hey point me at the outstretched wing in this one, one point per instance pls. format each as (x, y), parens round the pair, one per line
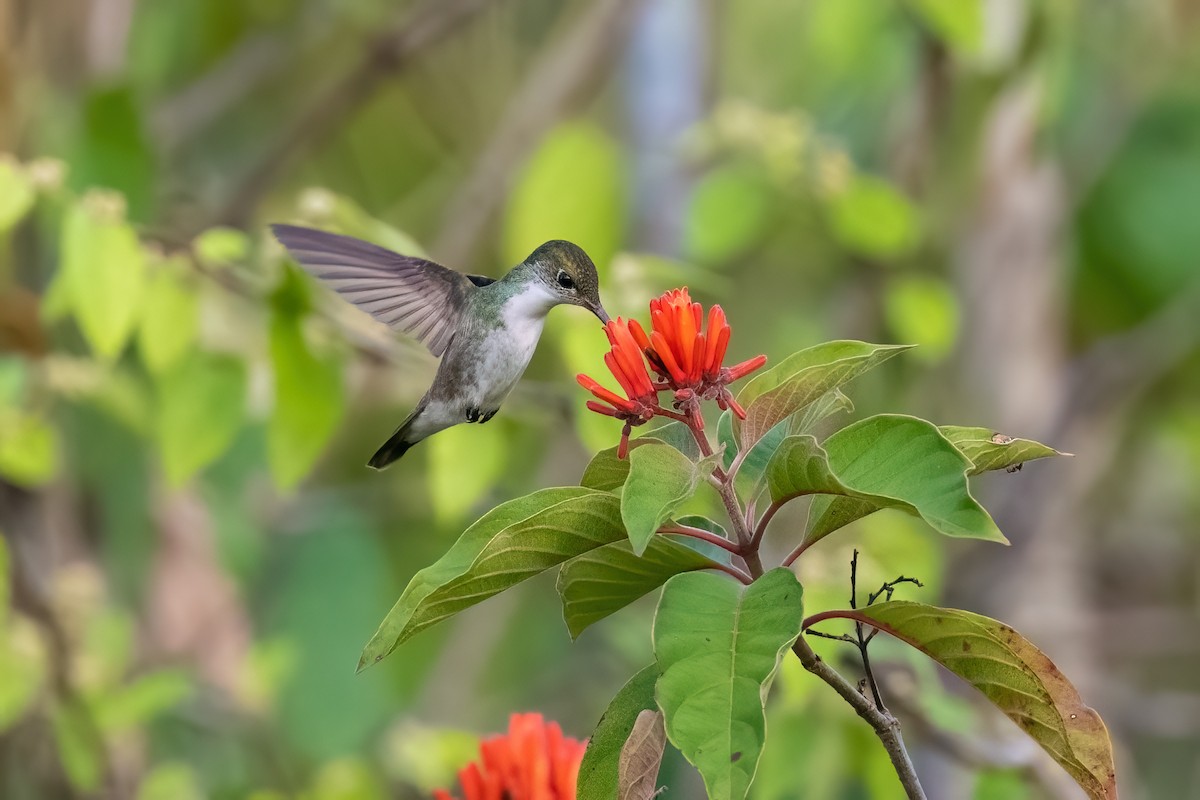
(418, 297)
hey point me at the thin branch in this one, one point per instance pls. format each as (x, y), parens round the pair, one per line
(763, 522)
(700, 533)
(381, 58)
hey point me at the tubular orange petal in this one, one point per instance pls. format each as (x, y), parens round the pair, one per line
(639, 334)
(618, 372)
(697, 371)
(737, 409)
(600, 408)
(664, 352)
(746, 367)
(722, 346)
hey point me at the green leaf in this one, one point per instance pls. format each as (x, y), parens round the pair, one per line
(606, 472)
(802, 379)
(79, 746)
(830, 403)
(513, 542)
(1016, 676)
(16, 193)
(170, 319)
(571, 188)
(886, 461)
(660, 480)
(717, 645)
(308, 400)
(959, 23)
(599, 769)
(28, 448)
(220, 247)
(923, 309)
(872, 217)
(605, 580)
(104, 273)
(127, 707)
(989, 450)
(200, 409)
(728, 212)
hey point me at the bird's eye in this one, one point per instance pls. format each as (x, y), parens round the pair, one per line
(565, 280)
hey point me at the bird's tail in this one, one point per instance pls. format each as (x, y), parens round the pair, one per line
(399, 442)
(391, 450)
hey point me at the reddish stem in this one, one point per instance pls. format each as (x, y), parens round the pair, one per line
(700, 533)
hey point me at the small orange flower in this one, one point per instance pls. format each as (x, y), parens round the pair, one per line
(625, 362)
(534, 761)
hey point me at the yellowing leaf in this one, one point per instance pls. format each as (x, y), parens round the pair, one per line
(104, 273)
(170, 319)
(1016, 676)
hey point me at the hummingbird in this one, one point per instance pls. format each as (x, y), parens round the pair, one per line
(484, 330)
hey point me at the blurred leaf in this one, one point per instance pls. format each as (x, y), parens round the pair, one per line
(717, 644)
(309, 400)
(885, 461)
(572, 188)
(660, 480)
(428, 758)
(340, 214)
(598, 774)
(28, 449)
(871, 217)
(803, 378)
(111, 151)
(727, 214)
(22, 661)
(103, 273)
(1000, 785)
(347, 779)
(608, 578)
(923, 310)
(988, 450)
(1017, 677)
(512, 542)
(16, 193)
(641, 756)
(454, 489)
(220, 247)
(171, 317)
(128, 707)
(200, 409)
(170, 781)
(959, 23)
(79, 747)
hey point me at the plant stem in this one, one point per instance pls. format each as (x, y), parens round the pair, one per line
(763, 522)
(734, 571)
(699, 533)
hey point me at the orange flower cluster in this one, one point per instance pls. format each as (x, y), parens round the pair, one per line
(534, 761)
(686, 358)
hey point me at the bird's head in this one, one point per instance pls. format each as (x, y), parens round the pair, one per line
(569, 274)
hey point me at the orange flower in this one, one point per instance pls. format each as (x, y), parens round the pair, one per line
(534, 761)
(625, 362)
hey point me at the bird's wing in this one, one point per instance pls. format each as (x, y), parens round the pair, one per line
(418, 297)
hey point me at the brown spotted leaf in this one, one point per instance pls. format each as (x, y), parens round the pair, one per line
(1016, 676)
(641, 755)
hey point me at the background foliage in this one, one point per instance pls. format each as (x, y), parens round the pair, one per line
(195, 554)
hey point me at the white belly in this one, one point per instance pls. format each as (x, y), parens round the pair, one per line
(505, 356)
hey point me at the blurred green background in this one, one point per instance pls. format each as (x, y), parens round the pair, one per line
(194, 551)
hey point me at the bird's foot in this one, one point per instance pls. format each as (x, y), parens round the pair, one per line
(486, 417)
(473, 414)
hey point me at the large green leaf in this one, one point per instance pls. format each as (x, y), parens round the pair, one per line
(717, 644)
(200, 409)
(989, 450)
(308, 400)
(801, 379)
(103, 273)
(598, 772)
(1013, 674)
(660, 480)
(605, 580)
(886, 461)
(512, 542)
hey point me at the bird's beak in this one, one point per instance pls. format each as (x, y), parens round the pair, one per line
(599, 311)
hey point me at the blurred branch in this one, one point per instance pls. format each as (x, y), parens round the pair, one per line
(381, 58)
(564, 77)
